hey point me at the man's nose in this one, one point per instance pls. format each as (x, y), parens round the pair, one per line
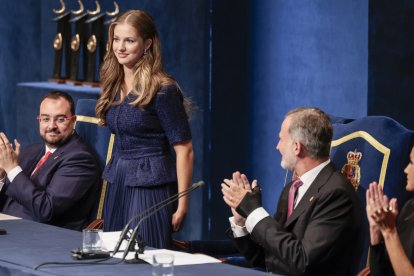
(52, 123)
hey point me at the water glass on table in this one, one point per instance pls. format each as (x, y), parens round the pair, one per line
(163, 264)
(92, 240)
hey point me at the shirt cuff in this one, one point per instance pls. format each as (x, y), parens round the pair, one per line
(254, 218)
(238, 231)
(13, 173)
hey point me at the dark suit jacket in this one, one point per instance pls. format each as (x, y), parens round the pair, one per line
(62, 192)
(319, 236)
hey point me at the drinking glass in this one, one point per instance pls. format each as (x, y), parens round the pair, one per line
(163, 265)
(92, 241)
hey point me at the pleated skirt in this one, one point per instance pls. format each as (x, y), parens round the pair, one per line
(122, 202)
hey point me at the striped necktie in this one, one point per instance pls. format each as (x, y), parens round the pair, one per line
(292, 195)
(42, 161)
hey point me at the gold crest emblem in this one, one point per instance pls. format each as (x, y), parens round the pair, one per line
(351, 170)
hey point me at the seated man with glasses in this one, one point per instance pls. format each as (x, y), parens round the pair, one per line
(55, 182)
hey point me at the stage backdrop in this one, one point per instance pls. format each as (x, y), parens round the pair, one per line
(391, 60)
(19, 54)
(269, 57)
(26, 55)
(244, 63)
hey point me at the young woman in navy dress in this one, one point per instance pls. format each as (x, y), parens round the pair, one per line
(145, 109)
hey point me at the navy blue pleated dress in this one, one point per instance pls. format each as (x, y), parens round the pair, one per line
(142, 170)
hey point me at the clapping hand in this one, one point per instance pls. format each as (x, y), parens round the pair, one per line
(9, 157)
(234, 191)
(381, 212)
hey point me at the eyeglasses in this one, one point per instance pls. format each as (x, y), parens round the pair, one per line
(60, 120)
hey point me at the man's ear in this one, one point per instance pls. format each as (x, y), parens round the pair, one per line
(297, 148)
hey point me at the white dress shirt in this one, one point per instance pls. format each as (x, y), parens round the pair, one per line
(260, 213)
(16, 170)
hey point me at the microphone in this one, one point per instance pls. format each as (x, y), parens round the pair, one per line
(145, 214)
(149, 212)
(197, 184)
(151, 209)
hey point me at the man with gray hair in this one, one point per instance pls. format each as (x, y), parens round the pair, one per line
(315, 228)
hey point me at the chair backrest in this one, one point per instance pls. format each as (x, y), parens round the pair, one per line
(98, 138)
(373, 148)
(87, 126)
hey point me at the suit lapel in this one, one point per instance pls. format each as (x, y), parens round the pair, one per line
(50, 161)
(281, 209)
(30, 164)
(312, 192)
(54, 157)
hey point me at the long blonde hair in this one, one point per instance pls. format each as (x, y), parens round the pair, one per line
(149, 75)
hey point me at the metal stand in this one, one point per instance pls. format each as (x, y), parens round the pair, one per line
(140, 250)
